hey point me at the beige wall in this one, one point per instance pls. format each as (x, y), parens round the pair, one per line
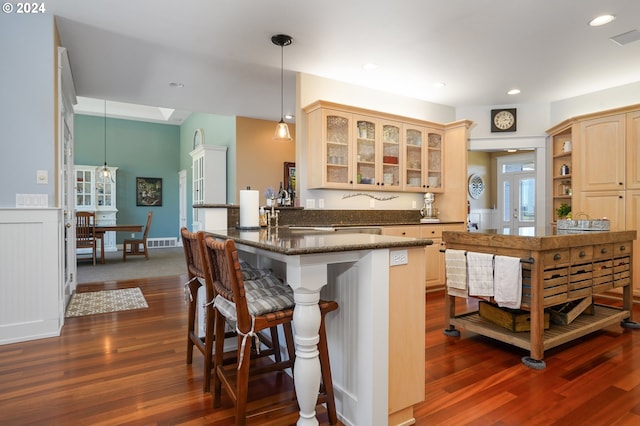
(259, 158)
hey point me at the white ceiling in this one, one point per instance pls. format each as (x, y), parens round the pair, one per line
(129, 51)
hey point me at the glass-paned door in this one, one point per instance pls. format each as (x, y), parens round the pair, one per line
(517, 193)
(365, 152)
(337, 149)
(391, 155)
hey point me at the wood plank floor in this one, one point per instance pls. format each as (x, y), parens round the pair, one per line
(128, 368)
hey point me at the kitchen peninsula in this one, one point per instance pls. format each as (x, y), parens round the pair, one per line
(376, 338)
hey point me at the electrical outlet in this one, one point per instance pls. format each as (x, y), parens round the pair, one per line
(321, 203)
(133, 235)
(372, 203)
(413, 204)
(311, 203)
(398, 257)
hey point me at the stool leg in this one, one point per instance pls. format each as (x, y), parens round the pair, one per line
(242, 384)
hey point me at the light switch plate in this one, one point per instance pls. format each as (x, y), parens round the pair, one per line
(311, 203)
(42, 177)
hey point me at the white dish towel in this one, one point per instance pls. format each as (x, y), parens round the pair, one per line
(508, 282)
(455, 262)
(480, 273)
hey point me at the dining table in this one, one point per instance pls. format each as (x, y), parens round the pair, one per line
(101, 229)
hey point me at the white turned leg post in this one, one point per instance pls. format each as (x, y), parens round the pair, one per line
(306, 373)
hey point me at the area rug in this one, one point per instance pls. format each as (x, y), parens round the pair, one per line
(101, 302)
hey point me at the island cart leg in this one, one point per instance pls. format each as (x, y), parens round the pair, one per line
(450, 312)
(627, 304)
(536, 337)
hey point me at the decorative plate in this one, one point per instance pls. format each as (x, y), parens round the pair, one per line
(476, 186)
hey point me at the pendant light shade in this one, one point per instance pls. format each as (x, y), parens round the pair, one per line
(282, 130)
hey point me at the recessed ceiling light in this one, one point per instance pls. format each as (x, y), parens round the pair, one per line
(289, 116)
(370, 66)
(513, 92)
(511, 150)
(601, 20)
(176, 84)
(438, 84)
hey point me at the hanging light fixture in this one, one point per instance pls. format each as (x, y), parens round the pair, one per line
(105, 173)
(282, 130)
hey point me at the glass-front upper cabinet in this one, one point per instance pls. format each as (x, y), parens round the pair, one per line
(414, 158)
(434, 161)
(365, 151)
(337, 149)
(391, 175)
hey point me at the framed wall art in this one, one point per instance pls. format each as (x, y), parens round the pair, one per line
(148, 191)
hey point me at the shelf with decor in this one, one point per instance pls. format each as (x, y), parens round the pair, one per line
(562, 167)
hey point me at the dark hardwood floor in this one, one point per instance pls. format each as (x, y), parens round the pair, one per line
(128, 368)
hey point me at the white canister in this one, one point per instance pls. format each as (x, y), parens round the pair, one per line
(566, 146)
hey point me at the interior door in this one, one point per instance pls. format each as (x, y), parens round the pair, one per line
(517, 193)
(182, 197)
(66, 99)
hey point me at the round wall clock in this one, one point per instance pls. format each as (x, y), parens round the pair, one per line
(198, 137)
(503, 120)
(476, 186)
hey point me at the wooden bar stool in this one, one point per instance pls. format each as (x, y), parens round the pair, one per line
(254, 306)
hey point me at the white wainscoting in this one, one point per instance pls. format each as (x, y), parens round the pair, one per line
(31, 299)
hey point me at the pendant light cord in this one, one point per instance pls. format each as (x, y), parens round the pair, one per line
(282, 82)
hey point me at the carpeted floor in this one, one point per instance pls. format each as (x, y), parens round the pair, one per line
(101, 302)
(162, 262)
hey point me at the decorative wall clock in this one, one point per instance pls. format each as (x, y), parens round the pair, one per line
(503, 120)
(476, 186)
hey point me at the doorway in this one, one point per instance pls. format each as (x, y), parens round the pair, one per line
(517, 193)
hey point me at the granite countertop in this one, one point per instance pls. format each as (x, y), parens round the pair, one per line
(289, 241)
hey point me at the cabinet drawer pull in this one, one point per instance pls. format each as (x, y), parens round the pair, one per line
(623, 248)
(604, 250)
(582, 254)
(557, 256)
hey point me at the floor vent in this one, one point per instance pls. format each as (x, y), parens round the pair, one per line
(162, 242)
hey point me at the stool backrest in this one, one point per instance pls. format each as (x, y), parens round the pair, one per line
(226, 275)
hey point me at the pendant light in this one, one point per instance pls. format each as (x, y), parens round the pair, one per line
(105, 173)
(282, 130)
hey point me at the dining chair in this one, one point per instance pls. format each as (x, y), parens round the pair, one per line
(85, 232)
(199, 280)
(135, 247)
(253, 307)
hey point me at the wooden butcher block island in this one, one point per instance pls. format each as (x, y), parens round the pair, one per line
(556, 269)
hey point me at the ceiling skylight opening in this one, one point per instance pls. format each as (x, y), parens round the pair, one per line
(513, 92)
(370, 66)
(601, 20)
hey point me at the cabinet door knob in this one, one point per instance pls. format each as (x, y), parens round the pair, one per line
(557, 256)
(622, 248)
(603, 251)
(583, 254)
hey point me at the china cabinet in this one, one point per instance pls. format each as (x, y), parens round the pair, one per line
(369, 150)
(96, 194)
(209, 184)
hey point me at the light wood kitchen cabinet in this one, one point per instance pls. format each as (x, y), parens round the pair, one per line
(633, 150)
(377, 153)
(423, 159)
(434, 272)
(353, 148)
(606, 168)
(602, 153)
